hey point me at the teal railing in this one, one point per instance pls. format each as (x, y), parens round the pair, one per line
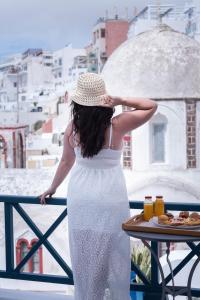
(150, 288)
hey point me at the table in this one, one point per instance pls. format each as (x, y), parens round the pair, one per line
(167, 238)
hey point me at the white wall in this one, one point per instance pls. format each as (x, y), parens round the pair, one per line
(38, 75)
(174, 111)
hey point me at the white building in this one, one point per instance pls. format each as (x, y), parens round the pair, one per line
(8, 90)
(80, 66)
(184, 17)
(63, 61)
(34, 77)
(8, 83)
(107, 34)
(162, 156)
(25, 80)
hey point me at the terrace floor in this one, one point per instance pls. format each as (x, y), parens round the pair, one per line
(9, 294)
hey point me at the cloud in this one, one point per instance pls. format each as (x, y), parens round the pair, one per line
(52, 24)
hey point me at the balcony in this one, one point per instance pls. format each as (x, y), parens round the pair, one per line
(150, 288)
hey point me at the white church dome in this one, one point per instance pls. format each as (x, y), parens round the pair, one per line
(160, 63)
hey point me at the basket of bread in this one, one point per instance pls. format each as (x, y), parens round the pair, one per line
(184, 220)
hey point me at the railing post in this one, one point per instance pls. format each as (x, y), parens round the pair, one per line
(9, 244)
(154, 276)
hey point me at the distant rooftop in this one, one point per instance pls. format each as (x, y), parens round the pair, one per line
(32, 52)
(107, 19)
(167, 10)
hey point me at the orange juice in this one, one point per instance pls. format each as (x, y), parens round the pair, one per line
(159, 208)
(148, 208)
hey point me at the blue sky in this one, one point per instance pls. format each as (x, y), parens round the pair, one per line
(51, 24)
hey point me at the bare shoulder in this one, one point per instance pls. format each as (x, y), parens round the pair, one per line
(116, 125)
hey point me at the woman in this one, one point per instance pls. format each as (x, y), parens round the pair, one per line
(97, 198)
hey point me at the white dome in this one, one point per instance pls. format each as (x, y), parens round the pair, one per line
(160, 63)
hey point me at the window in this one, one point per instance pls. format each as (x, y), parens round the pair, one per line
(55, 138)
(35, 263)
(158, 138)
(48, 64)
(158, 143)
(15, 84)
(22, 250)
(23, 98)
(60, 74)
(48, 57)
(97, 34)
(24, 67)
(103, 32)
(60, 61)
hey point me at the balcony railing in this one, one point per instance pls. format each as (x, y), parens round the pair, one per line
(151, 288)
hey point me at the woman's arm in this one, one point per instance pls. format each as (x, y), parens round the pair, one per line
(143, 110)
(66, 163)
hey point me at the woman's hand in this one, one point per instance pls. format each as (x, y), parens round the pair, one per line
(49, 193)
(111, 101)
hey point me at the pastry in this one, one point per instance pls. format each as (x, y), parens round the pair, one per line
(194, 215)
(169, 215)
(163, 219)
(184, 218)
(184, 214)
(177, 221)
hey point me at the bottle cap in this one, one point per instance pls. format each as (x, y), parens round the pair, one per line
(148, 197)
(159, 196)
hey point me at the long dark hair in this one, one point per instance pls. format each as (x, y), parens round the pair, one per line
(91, 123)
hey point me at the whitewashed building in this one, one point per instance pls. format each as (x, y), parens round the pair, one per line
(34, 77)
(79, 66)
(8, 83)
(25, 80)
(63, 62)
(162, 156)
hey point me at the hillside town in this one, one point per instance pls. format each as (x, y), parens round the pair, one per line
(35, 85)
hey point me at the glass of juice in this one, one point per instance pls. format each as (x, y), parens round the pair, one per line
(148, 208)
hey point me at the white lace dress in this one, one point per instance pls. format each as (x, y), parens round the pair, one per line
(97, 205)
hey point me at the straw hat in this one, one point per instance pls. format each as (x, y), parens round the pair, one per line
(90, 90)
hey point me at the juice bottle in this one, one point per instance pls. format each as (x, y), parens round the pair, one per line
(148, 208)
(159, 207)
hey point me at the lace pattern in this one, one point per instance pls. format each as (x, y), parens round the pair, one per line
(97, 205)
